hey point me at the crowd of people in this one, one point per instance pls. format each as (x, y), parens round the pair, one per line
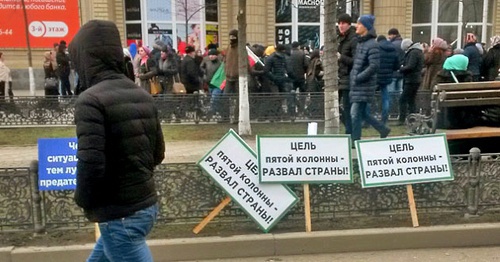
(401, 67)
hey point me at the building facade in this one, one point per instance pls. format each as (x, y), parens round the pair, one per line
(202, 22)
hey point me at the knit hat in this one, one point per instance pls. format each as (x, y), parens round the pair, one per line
(146, 50)
(495, 40)
(212, 52)
(439, 43)
(233, 32)
(456, 62)
(269, 50)
(346, 18)
(406, 43)
(393, 31)
(295, 44)
(367, 21)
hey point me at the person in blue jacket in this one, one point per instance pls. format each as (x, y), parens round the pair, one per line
(363, 78)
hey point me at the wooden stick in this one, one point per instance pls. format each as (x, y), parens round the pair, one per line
(413, 207)
(211, 215)
(97, 231)
(307, 208)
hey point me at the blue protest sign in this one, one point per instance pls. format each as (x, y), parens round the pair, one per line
(57, 163)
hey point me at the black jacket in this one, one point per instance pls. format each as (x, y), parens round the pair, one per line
(276, 67)
(364, 72)
(389, 62)
(475, 59)
(190, 74)
(298, 64)
(491, 63)
(347, 49)
(413, 65)
(120, 140)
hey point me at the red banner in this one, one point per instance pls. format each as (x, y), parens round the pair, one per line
(49, 21)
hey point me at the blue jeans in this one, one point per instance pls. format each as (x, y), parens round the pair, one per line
(396, 86)
(124, 239)
(384, 93)
(359, 112)
(214, 100)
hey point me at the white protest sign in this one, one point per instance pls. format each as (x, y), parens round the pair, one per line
(233, 165)
(404, 160)
(297, 159)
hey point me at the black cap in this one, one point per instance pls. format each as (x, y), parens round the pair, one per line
(393, 31)
(189, 49)
(346, 18)
(280, 48)
(295, 44)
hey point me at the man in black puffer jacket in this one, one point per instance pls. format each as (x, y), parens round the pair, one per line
(389, 63)
(364, 78)
(120, 142)
(346, 35)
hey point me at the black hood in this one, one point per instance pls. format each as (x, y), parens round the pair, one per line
(97, 53)
(386, 45)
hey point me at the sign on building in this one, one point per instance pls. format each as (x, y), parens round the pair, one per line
(298, 159)
(48, 22)
(233, 166)
(57, 163)
(404, 160)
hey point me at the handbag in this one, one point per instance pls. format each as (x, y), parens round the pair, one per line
(51, 82)
(178, 87)
(155, 86)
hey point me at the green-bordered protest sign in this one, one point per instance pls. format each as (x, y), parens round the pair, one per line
(233, 166)
(404, 160)
(304, 159)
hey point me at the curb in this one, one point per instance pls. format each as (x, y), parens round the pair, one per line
(261, 245)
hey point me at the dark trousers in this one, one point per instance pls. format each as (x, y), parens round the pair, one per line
(228, 98)
(301, 85)
(345, 112)
(407, 100)
(2, 91)
(65, 86)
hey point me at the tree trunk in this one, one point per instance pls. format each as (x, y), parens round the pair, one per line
(30, 59)
(244, 127)
(330, 64)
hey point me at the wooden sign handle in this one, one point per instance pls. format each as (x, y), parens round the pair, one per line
(413, 207)
(211, 215)
(307, 207)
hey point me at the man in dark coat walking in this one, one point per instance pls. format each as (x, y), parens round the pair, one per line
(389, 63)
(346, 35)
(363, 78)
(120, 142)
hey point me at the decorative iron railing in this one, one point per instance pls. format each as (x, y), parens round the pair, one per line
(193, 108)
(187, 195)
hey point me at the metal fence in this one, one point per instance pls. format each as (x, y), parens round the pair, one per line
(187, 195)
(193, 108)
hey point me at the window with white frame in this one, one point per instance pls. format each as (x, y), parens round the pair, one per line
(176, 23)
(452, 20)
(302, 20)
